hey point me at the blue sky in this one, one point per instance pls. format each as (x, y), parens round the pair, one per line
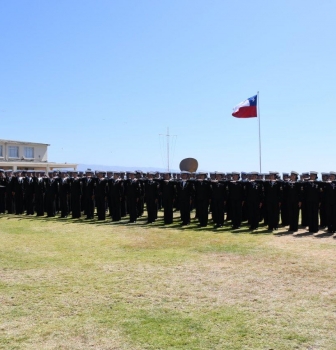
(100, 80)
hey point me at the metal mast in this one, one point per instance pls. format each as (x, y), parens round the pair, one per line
(168, 148)
(168, 151)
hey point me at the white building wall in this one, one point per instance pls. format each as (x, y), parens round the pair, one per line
(40, 151)
(39, 162)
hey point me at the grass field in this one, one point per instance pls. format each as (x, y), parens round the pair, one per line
(75, 284)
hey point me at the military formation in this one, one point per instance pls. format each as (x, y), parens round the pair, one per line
(217, 198)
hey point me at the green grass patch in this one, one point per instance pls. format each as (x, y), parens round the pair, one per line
(74, 285)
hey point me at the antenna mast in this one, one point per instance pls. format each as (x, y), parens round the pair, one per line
(168, 147)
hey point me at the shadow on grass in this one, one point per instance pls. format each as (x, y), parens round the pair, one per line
(323, 234)
(159, 224)
(303, 234)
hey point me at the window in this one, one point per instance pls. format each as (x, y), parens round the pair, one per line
(13, 151)
(1, 152)
(29, 152)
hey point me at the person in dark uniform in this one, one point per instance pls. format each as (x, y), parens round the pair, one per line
(29, 193)
(168, 194)
(19, 192)
(227, 204)
(254, 200)
(64, 193)
(89, 191)
(82, 176)
(10, 182)
(116, 192)
(57, 178)
(123, 201)
(193, 177)
(39, 191)
(76, 190)
(51, 191)
(284, 209)
(3, 184)
(312, 193)
(263, 211)
(218, 198)
(109, 179)
(304, 177)
(185, 193)
(273, 197)
(293, 201)
(151, 194)
(236, 196)
(141, 200)
(212, 177)
(323, 208)
(132, 192)
(176, 201)
(203, 198)
(330, 202)
(245, 179)
(158, 178)
(101, 195)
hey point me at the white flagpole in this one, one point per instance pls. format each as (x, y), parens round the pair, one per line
(259, 132)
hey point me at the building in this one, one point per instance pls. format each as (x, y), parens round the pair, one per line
(20, 155)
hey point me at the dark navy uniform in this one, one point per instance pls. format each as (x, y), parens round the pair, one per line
(132, 192)
(3, 184)
(151, 195)
(236, 196)
(202, 198)
(141, 199)
(323, 206)
(76, 191)
(273, 197)
(284, 202)
(168, 194)
(218, 197)
(64, 193)
(51, 191)
(89, 191)
(330, 204)
(312, 193)
(39, 191)
(29, 194)
(304, 216)
(293, 203)
(19, 193)
(10, 203)
(100, 196)
(116, 192)
(254, 199)
(185, 193)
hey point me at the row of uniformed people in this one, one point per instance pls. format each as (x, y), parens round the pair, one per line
(55, 192)
(267, 199)
(254, 198)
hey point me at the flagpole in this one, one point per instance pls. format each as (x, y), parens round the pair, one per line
(259, 133)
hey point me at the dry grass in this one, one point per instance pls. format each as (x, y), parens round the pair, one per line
(85, 285)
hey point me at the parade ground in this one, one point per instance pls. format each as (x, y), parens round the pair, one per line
(84, 284)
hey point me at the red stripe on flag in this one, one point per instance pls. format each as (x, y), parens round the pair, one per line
(246, 112)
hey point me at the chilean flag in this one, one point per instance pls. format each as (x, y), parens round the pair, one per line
(246, 109)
